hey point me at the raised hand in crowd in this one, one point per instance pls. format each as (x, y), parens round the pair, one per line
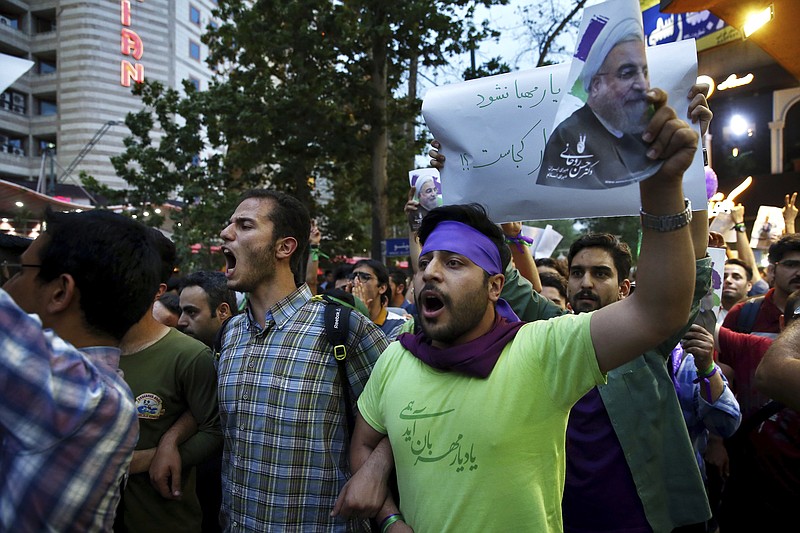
(314, 238)
(521, 253)
(789, 213)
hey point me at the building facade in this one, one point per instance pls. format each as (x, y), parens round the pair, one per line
(87, 57)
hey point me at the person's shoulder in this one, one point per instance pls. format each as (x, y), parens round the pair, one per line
(568, 323)
(185, 345)
(768, 296)
(732, 316)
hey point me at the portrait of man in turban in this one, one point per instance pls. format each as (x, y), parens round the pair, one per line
(600, 145)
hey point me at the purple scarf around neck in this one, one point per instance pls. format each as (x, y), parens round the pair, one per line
(475, 358)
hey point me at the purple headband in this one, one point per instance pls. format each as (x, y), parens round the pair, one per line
(461, 239)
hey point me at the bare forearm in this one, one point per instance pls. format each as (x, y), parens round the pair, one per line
(745, 253)
(141, 460)
(181, 430)
(378, 460)
(311, 273)
(778, 374)
(524, 262)
(668, 255)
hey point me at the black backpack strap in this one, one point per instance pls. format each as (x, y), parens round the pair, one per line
(748, 313)
(216, 349)
(337, 326)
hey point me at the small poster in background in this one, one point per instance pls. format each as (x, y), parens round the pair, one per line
(767, 228)
(713, 300)
(428, 193)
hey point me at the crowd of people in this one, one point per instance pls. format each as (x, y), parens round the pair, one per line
(485, 390)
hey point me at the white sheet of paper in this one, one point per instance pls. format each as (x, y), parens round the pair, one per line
(11, 68)
(492, 131)
(545, 240)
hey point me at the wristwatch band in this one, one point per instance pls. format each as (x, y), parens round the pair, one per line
(665, 223)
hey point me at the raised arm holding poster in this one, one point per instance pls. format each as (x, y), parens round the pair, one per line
(493, 132)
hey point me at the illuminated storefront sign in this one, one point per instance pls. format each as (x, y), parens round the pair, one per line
(707, 29)
(131, 45)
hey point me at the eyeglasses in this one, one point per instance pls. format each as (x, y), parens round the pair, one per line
(791, 264)
(626, 74)
(362, 276)
(796, 314)
(9, 270)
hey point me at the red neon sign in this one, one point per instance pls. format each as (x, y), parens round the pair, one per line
(130, 45)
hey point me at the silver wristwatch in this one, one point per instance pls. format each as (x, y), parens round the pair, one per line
(665, 223)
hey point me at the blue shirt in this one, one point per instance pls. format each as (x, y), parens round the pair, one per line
(720, 418)
(67, 429)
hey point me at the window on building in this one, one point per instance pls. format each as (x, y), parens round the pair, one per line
(9, 20)
(194, 50)
(6, 100)
(15, 146)
(194, 15)
(13, 101)
(194, 81)
(44, 66)
(213, 24)
(47, 107)
(44, 25)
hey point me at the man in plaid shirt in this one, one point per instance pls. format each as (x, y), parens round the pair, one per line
(281, 404)
(67, 419)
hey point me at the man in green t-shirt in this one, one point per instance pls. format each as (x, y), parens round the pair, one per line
(476, 405)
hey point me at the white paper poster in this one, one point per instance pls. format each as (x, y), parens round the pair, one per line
(493, 133)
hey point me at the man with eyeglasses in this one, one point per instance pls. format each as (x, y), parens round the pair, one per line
(601, 145)
(784, 268)
(67, 418)
(371, 285)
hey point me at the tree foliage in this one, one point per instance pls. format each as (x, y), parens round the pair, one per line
(309, 100)
(313, 97)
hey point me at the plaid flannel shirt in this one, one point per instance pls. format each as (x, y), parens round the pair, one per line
(282, 414)
(67, 429)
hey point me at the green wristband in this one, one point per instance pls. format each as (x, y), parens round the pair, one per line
(389, 520)
(707, 371)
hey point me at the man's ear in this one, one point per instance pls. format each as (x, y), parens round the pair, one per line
(624, 288)
(285, 247)
(162, 288)
(223, 311)
(496, 283)
(593, 84)
(62, 293)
